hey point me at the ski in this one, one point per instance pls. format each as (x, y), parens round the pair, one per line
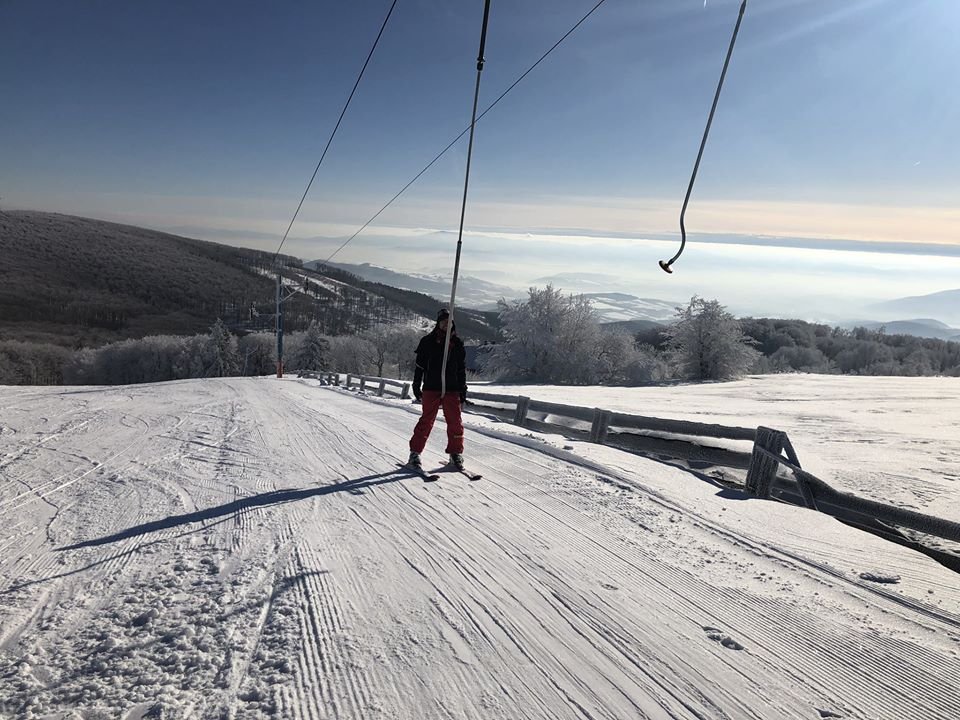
(463, 471)
(469, 475)
(427, 477)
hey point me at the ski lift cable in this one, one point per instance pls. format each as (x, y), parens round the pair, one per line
(465, 130)
(665, 265)
(335, 128)
(463, 205)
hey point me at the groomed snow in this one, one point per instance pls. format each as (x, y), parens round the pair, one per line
(245, 548)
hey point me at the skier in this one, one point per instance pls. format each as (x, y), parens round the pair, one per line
(428, 376)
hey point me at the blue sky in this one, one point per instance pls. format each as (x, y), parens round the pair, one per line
(838, 122)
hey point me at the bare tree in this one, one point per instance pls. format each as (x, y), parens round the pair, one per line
(381, 341)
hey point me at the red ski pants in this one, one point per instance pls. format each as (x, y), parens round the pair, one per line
(451, 413)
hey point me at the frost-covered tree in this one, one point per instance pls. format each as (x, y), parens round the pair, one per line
(24, 363)
(351, 354)
(615, 349)
(259, 353)
(706, 342)
(645, 365)
(222, 358)
(549, 338)
(312, 352)
(381, 341)
(151, 359)
(403, 347)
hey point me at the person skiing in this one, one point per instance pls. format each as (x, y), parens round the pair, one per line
(427, 390)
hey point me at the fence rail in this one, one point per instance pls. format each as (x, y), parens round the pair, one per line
(602, 420)
(382, 385)
(818, 495)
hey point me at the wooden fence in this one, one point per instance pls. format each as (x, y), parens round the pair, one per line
(818, 495)
(771, 450)
(381, 385)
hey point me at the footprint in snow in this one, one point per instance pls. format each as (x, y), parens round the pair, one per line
(887, 578)
(725, 640)
(829, 714)
(608, 586)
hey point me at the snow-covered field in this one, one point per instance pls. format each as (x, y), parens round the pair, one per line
(246, 548)
(892, 439)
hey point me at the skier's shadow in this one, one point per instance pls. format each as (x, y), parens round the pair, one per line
(276, 497)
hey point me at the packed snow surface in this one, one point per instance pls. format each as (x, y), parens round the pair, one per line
(247, 548)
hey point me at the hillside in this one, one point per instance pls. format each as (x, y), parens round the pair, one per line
(247, 548)
(82, 282)
(77, 281)
(471, 291)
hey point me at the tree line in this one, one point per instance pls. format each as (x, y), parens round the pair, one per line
(557, 339)
(548, 337)
(385, 350)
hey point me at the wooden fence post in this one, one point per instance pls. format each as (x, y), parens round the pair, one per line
(349, 380)
(763, 468)
(380, 389)
(363, 383)
(405, 393)
(600, 426)
(520, 417)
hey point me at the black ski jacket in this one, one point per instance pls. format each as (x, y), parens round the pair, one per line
(430, 362)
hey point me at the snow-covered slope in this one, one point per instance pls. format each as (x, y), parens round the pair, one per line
(616, 307)
(472, 292)
(246, 548)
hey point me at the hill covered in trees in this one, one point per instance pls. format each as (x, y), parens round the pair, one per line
(78, 282)
(81, 282)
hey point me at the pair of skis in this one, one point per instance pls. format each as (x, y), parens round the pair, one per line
(433, 477)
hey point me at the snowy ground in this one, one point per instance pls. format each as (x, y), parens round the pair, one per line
(244, 548)
(896, 440)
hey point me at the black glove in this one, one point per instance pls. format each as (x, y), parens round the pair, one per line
(417, 393)
(463, 396)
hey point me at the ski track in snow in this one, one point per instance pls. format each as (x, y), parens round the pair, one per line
(246, 548)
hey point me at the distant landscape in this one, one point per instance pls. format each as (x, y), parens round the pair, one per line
(71, 284)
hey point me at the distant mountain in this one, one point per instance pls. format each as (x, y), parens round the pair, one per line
(471, 291)
(614, 307)
(919, 328)
(576, 282)
(611, 306)
(944, 306)
(633, 326)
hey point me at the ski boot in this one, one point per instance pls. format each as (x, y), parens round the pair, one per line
(456, 459)
(414, 460)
